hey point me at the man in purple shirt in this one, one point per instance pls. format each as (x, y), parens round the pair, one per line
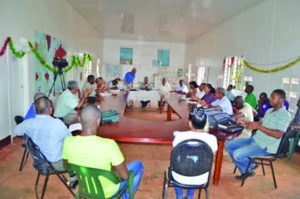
(263, 104)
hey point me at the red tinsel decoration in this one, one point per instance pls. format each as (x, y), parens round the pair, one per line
(3, 49)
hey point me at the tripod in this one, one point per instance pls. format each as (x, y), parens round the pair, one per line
(62, 81)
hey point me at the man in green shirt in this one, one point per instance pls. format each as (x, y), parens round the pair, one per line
(267, 138)
(250, 98)
(68, 101)
(92, 151)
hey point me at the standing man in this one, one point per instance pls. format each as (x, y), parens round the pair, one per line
(129, 78)
(267, 138)
(250, 98)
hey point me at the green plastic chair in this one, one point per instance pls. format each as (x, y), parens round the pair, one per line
(90, 186)
(292, 145)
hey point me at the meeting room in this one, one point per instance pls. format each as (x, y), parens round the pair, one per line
(150, 99)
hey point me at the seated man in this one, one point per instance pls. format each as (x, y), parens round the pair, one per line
(182, 88)
(90, 84)
(68, 101)
(221, 102)
(46, 132)
(243, 115)
(197, 121)
(263, 105)
(145, 86)
(31, 111)
(164, 88)
(90, 150)
(229, 93)
(267, 138)
(250, 98)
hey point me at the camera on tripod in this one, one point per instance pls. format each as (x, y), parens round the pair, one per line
(60, 64)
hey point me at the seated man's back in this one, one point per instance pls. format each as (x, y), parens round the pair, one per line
(45, 131)
(94, 152)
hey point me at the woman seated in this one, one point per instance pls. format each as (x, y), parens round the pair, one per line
(208, 97)
(197, 121)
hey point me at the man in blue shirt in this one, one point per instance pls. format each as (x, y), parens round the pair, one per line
(46, 132)
(31, 111)
(129, 78)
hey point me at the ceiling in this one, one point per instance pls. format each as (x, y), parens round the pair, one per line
(158, 20)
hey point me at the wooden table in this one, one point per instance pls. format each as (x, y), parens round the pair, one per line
(143, 131)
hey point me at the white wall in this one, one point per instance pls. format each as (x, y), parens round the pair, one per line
(143, 54)
(266, 33)
(20, 19)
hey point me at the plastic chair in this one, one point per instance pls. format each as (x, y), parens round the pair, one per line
(267, 160)
(292, 144)
(43, 167)
(191, 157)
(90, 185)
(19, 119)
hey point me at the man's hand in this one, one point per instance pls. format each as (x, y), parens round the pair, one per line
(253, 125)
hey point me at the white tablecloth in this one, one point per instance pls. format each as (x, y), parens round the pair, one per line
(143, 95)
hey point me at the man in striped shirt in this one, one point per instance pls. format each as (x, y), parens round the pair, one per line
(267, 138)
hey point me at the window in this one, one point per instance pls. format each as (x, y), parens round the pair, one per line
(126, 56)
(163, 57)
(233, 72)
(201, 74)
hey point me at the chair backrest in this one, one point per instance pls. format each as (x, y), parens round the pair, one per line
(191, 157)
(89, 183)
(40, 162)
(19, 119)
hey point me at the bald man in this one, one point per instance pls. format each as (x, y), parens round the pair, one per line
(31, 111)
(46, 132)
(90, 150)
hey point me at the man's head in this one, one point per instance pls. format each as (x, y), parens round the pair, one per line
(98, 80)
(277, 98)
(202, 86)
(38, 95)
(197, 118)
(72, 86)
(133, 70)
(238, 102)
(263, 97)
(91, 79)
(43, 106)
(164, 81)
(90, 119)
(230, 87)
(181, 82)
(220, 93)
(193, 85)
(249, 89)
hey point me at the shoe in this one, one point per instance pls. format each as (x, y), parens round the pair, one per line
(245, 175)
(73, 184)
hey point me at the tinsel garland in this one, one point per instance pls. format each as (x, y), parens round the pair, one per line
(75, 60)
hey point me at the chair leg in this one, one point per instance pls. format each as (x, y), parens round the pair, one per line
(165, 187)
(273, 174)
(36, 182)
(45, 186)
(199, 193)
(263, 167)
(64, 181)
(234, 169)
(247, 170)
(23, 159)
(206, 191)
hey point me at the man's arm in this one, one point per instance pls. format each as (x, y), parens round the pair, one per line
(85, 94)
(271, 132)
(121, 170)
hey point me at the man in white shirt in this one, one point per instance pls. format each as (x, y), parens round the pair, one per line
(222, 102)
(90, 84)
(165, 86)
(197, 121)
(182, 87)
(244, 114)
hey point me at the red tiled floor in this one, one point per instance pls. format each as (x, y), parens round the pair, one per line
(15, 184)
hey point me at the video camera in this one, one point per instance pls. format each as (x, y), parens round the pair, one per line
(60, 63)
